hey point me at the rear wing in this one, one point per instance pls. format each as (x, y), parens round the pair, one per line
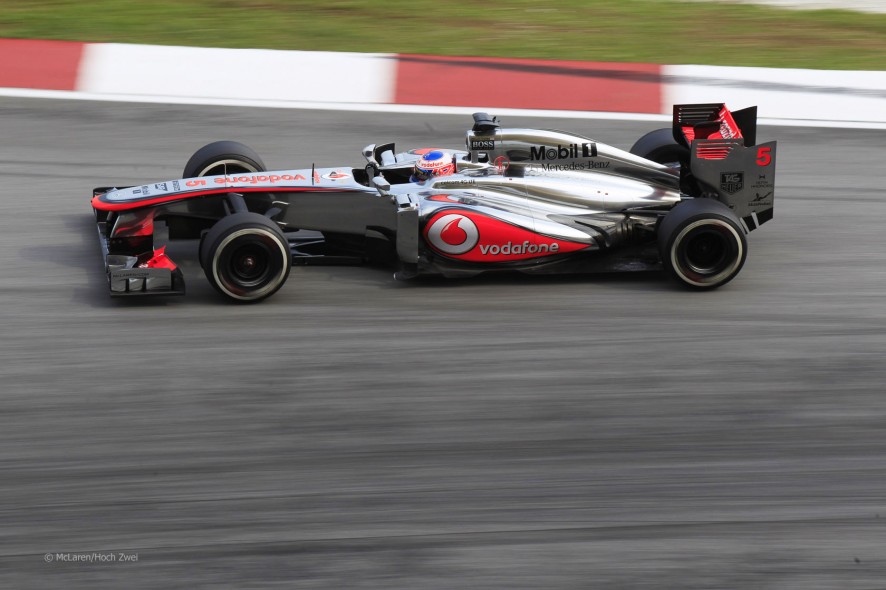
(714, 121)
(725, 160)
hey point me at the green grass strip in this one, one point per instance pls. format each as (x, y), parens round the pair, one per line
(653, 31)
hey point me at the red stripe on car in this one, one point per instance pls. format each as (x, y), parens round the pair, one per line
(474, 237)
(98, 203)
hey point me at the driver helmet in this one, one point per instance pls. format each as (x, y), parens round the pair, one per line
(433, 163)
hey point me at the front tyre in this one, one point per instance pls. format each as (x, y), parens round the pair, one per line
(702, 244)
(223, 158)
(246, 257)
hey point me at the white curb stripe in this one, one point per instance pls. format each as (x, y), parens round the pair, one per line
(237, 74)
(407, 109)
(367, 82)
(782, 93)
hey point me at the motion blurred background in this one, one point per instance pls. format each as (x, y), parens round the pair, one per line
(654, 31)
(502, 432)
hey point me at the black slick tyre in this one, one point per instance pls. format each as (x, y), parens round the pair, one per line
(246, 257)
(702, 244)
(221, 158)
(660, 146)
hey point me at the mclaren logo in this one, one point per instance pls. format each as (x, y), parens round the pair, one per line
(453, 234)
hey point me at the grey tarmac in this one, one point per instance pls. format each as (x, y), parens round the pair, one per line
(501, 432)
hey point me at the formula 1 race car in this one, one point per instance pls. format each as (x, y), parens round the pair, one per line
(535, 201)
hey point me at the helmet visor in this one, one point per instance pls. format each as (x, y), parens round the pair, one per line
(421, 174)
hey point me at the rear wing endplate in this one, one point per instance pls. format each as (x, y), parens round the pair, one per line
(741, 177)
(725, 160)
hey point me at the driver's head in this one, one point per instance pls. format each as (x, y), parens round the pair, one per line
(434, 163)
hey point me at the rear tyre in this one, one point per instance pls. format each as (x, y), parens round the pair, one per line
(702, 244)
(660, 146)
(246, 257)
(223, 158)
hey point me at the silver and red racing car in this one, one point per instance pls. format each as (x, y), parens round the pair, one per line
(528, 200)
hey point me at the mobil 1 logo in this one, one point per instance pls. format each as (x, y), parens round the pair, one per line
(562, 152)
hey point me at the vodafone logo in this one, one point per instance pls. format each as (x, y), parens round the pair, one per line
(474, 237)
(453, 234)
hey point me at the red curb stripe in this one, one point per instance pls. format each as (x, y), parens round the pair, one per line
(528, 84)
(43, 65)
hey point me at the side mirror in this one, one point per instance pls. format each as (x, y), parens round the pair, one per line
(368, 153)
(385, 154)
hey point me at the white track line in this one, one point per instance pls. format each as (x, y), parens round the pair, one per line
(405, 109)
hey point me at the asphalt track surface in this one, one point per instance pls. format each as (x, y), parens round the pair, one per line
(509, 432)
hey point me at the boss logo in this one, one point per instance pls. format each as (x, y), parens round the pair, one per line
(482, 144)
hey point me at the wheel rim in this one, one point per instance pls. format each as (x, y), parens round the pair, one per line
(707, 253)
(225, 167)
(250, 264)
